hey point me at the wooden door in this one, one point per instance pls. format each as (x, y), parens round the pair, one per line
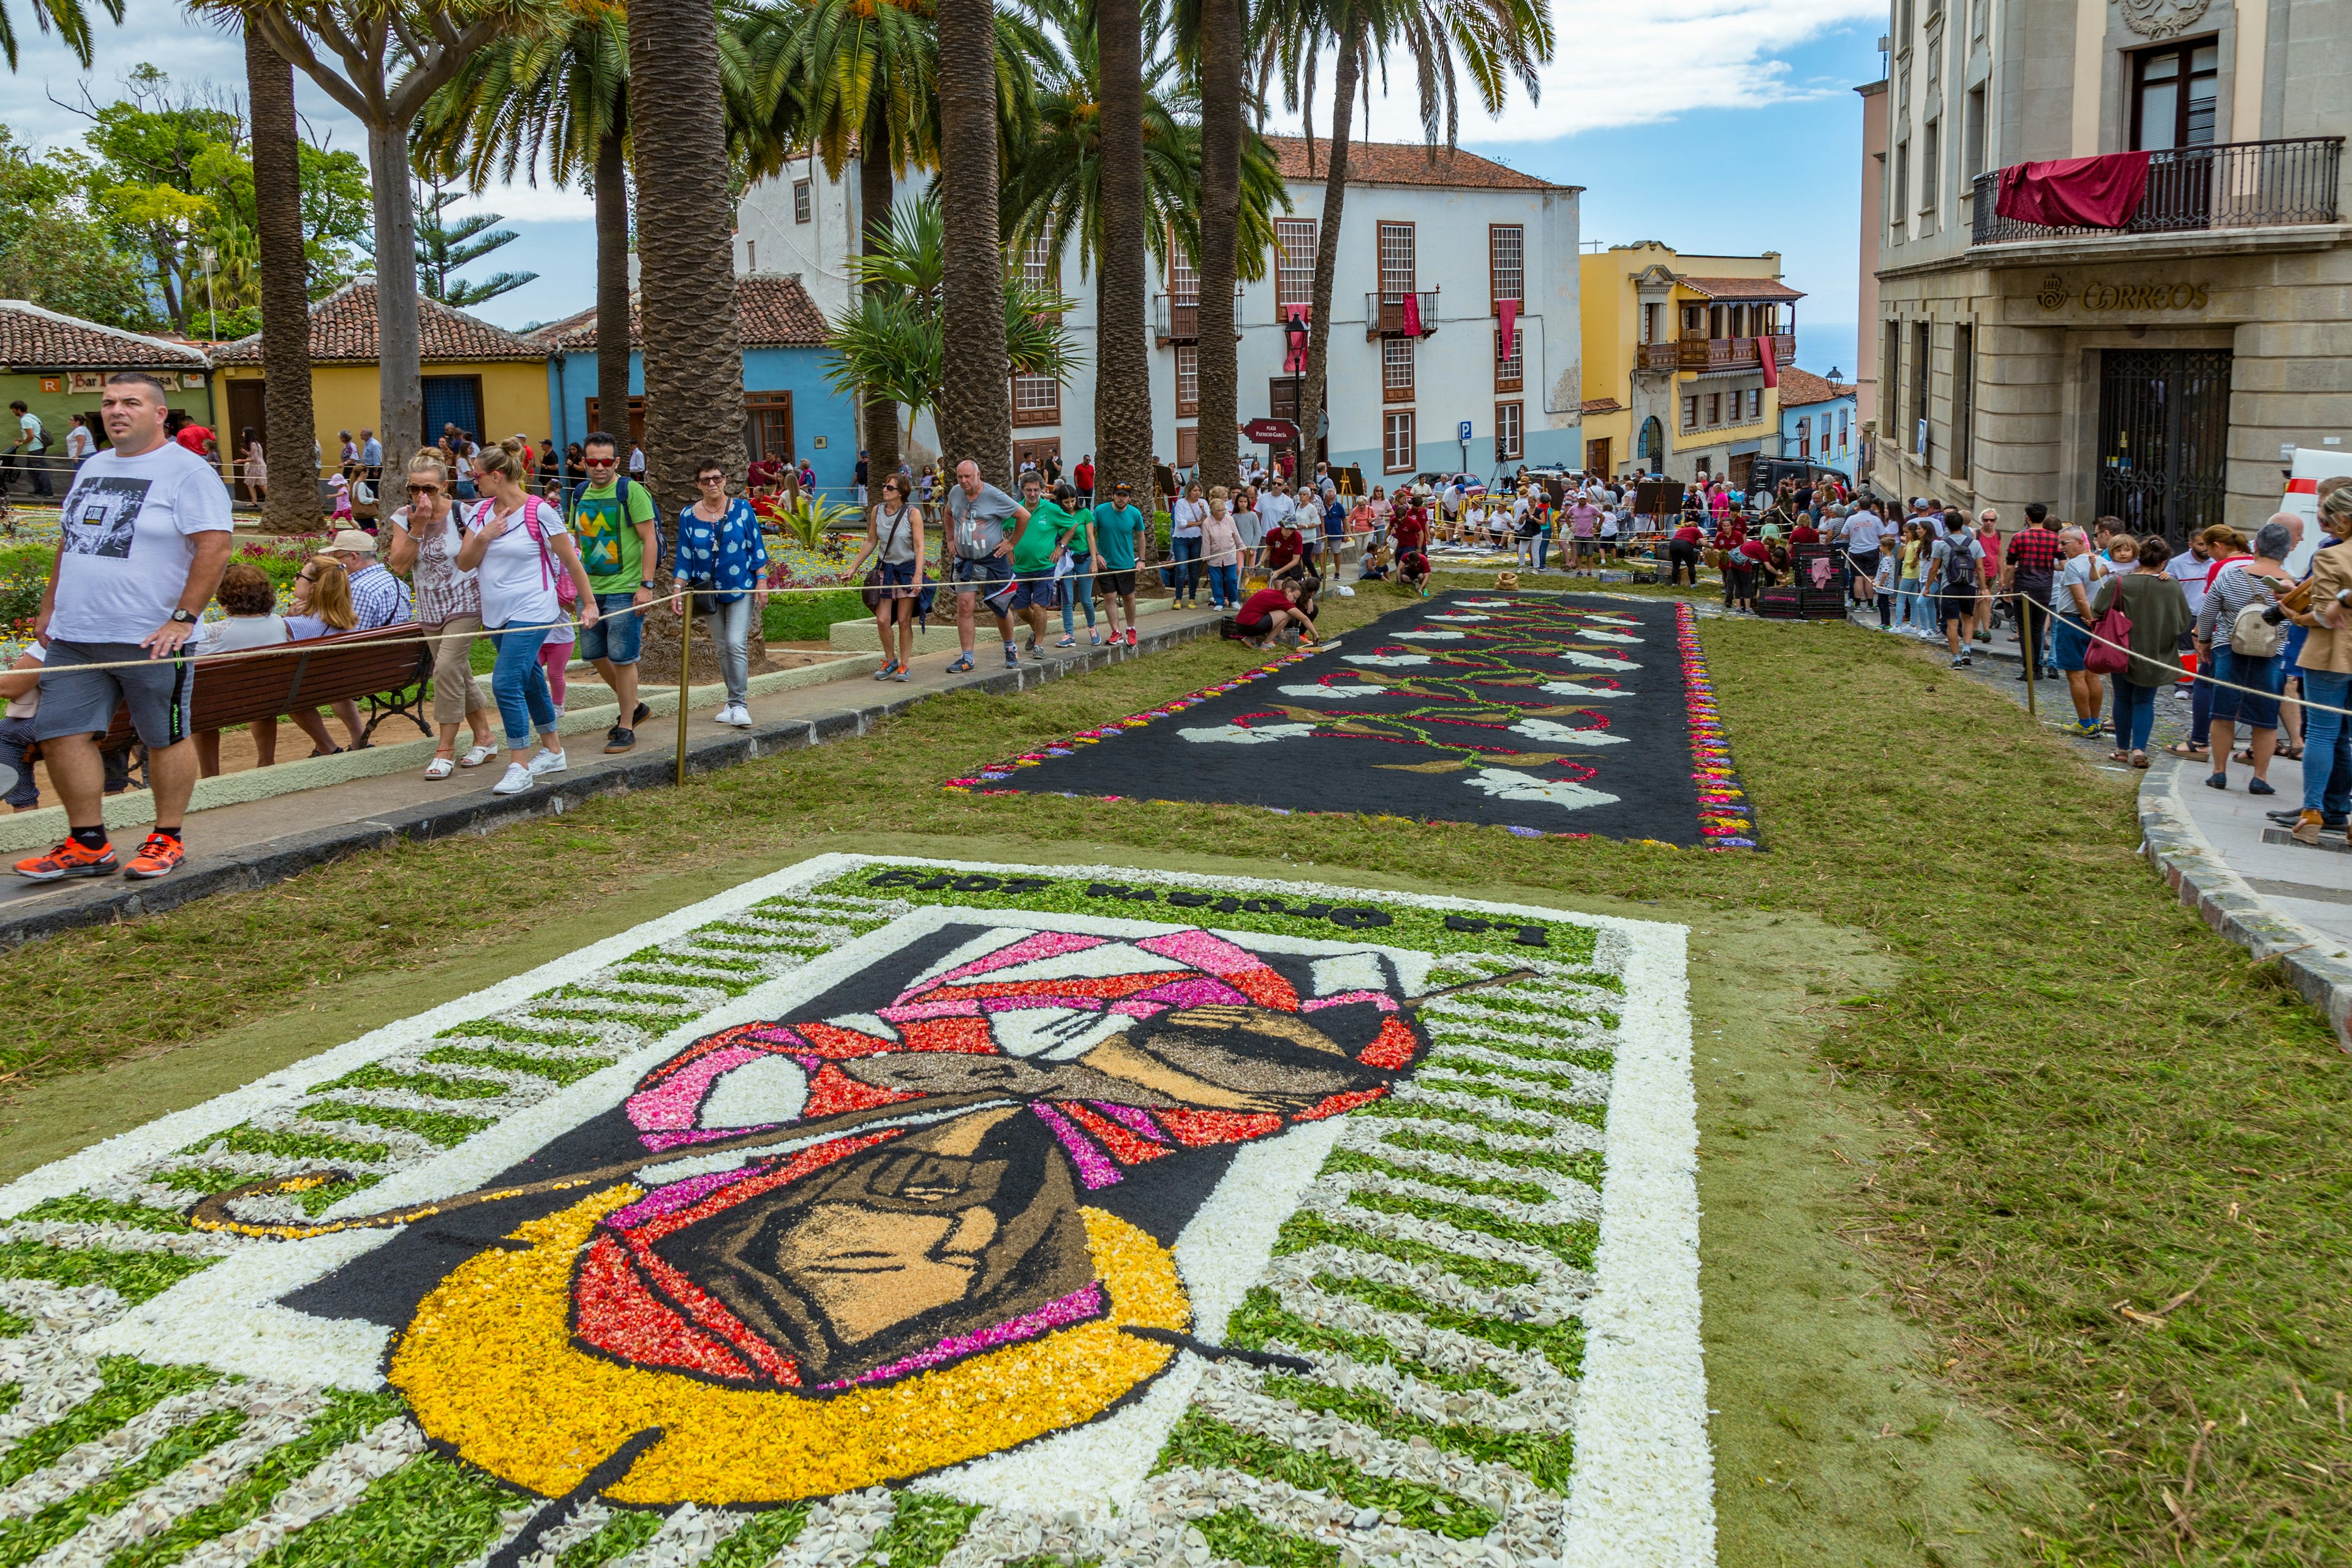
(1596, 456)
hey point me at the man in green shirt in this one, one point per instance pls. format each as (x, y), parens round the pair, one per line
(613, 520)
(1033, 557)
(1118, 529)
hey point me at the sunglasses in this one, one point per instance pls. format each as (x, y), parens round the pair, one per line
(306, 576)
(425, 489)
(600, 462)
(710, 478)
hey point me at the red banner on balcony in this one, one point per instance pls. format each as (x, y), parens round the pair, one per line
(2074, 192)
(1510, 310)
(1764, 357)
(1409, 317)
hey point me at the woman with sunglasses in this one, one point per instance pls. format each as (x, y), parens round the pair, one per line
(722, 555)
(425, 539)
(894, 538)
(517, 544)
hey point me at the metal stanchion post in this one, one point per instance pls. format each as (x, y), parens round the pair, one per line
(685, 666)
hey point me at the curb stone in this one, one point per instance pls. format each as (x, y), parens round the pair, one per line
(2316, 964)
(277, 860)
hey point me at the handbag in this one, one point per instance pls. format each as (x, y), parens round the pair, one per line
(871, 588)
(2110, 651)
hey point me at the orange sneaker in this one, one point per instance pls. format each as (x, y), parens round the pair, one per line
(157, 856)
(69, 860)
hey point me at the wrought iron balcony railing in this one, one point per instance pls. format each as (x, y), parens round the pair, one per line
(2228, 185)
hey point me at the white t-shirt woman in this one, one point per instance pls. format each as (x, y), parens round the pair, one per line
(518, 573)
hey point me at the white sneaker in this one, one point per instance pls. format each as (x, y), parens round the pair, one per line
(735, 713)
(548, 762)
(518, 779)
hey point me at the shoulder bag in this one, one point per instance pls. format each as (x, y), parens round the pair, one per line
(2110, 651)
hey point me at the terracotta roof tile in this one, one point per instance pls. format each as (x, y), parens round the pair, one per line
(1801, 387)
(1405, 163)
(1741, 288)
(342, 332)
(32, 338)
(771, 311)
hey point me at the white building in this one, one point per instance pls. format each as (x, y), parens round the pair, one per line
(1459, 233)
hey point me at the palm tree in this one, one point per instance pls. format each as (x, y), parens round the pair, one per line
(66, 17)
(1061, 183)
(1495, 40)
(1212, 33)
(1123, 373)
(292, 504)
(893, 340)
(975, 407)
(558, 99)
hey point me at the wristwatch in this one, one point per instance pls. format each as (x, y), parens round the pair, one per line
(645, 582)
(184, 617)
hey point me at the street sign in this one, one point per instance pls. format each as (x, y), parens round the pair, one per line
(1270, 432)
(1464, 436)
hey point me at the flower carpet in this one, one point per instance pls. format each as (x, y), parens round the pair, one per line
(1540, 714)
(900, 1212)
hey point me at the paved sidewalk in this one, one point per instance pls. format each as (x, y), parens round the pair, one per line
(251, 843)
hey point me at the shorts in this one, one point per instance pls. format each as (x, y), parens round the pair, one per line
(1256, 628)
(2230, 705)
(1958, 605)
(990, 577)
(619, 632)
(1865, 562)
(1121, 583)
(899, 579)
(1037, 592)
(159, 692)
(2071, 642)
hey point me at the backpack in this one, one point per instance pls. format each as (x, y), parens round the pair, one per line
(1960, 563)
(567, 591)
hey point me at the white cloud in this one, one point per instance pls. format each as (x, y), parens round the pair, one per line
(1618, 65)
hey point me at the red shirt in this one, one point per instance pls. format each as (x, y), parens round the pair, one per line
(1756, 550)
(194, 437)
(1263, 603)
(1687, 534)
(1283, 545)
(2215, 570)
(1804, 533)
(1084, 475)
(1410, 529)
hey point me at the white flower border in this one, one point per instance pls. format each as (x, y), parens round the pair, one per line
(1641, 1492)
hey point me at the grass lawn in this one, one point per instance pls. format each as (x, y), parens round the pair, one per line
(1970, 1083)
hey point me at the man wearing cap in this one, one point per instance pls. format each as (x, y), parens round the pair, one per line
(1118, 528)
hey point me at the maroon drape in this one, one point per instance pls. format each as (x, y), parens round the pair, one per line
(2074, 192)
(1764, 357)
(1411, 314)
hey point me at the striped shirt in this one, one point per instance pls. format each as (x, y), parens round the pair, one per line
(2233, 591)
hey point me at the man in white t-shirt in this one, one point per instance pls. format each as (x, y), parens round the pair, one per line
(146, 535)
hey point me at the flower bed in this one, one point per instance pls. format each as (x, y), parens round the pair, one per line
(889, 1208)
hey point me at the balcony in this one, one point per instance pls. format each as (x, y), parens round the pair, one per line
(1715, 354)
(2229, 184)
(1385, 314)
(1176, 318)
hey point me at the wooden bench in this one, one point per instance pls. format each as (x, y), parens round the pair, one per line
(387, 668)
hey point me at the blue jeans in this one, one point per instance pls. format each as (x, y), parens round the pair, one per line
(1225, 586)
(1186, 556)
(1543, 549)
(519, 687)
(2326, 743)
(1079, 584)
(2134, 715)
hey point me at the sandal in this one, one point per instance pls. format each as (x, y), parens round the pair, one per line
(2244, 755)
(336, 752)
(476, 756)
(2291, 754)
(2194, 753)
(2119, 756)
(441, 766)
(2139, 759)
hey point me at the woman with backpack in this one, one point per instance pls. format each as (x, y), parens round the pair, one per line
(2158, 613)
(2239, 649)
(531, 575)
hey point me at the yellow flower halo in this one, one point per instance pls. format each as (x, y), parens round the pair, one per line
(489, 1367)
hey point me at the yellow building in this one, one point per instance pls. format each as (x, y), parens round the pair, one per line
(485, 380)
(1673, 375)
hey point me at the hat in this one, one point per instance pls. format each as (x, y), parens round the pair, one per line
(352, 540)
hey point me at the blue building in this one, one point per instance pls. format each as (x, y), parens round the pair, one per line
(789, 410)
(1818, 420)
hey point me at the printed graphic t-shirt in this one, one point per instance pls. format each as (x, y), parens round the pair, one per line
(609, 546)
(129, 538)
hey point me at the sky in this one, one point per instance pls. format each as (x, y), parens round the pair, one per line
(1716, 126)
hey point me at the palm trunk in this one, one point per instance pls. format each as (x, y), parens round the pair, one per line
(1221, 200)
(611, 195)
(693, 359)
(874, 193)
(399, 353)
(292, 504)
(1327, 245)
(1123, 369)
(975, 408)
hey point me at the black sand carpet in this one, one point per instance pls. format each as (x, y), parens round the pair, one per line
(1539, 713)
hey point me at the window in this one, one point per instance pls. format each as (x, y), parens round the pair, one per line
(1920, 345)
(1845, 429)
(1184, 281)
(1396, 442)
(801, 203)
(1188, 446)
(1506, 249)
(1293, 268)
(1804, 437)
(1928, 159)
(1506, 432)
(1900, 206)
(1040, 268)
(1715, 408)
(767, 424)
(1690, 411)
(2173, 96)
(1396, 370)
(1964, 397)
(1037, 400)
(1510, 370)
(1396, 256)
(1972, 136)
(1188, 378)
(1650, 322)
(1890, 372)
(1756, 402)
(1694, 321)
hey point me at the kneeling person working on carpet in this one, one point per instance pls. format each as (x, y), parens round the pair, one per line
(145, 537)
(979, 557)
(1285, 606)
